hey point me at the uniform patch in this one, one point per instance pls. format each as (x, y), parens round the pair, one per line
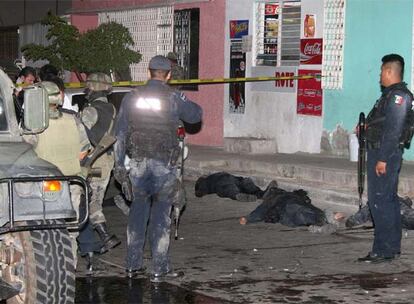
(183, 97)
(399, 99)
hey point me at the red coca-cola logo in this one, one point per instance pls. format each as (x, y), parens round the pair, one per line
(312, 49)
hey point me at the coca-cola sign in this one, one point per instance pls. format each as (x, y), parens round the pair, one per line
(311, 51)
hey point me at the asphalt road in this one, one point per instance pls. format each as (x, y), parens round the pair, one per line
(224, 262)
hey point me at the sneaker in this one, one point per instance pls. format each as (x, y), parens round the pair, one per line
(375, 258)
(132, 273)
(162, 277)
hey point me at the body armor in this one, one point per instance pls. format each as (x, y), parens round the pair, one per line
(103, 126)
(152, 126)
(376, 118)
(63, 152)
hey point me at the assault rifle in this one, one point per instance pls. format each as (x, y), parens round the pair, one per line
(180, 199)
(361, 156)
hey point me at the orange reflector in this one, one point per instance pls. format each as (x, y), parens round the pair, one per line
(52, 186)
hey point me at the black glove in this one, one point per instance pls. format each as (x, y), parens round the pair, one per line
(120, 174)
(127, 190)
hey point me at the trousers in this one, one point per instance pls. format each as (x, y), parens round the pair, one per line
(154, 186)
(384, 203)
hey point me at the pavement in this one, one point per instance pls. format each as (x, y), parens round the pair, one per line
(272, 263)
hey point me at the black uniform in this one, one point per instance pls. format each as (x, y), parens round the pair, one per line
(388, 132)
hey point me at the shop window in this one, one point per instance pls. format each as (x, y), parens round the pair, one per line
(277, 35)
(186, 42)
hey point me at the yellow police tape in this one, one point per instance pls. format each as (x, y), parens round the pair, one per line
(201, 81)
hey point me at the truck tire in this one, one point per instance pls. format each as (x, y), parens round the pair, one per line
(41, 266)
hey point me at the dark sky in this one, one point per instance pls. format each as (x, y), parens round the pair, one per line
(15, 12)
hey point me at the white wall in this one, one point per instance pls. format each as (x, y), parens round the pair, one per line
(271, 115)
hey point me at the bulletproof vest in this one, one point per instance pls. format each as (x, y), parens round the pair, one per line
(106, 115)
(62, 151)
(376, 118)
(152, 126)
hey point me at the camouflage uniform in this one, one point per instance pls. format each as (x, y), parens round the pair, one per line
(105, 163)
(177, 72)
(62, 151)
(98, 117)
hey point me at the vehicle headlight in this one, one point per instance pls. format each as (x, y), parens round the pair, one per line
(51, 189)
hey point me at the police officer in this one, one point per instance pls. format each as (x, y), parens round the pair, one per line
(98, 117)
(388, 133)
(146, 132)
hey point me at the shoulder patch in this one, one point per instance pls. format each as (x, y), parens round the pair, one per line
(183, 97)
(398, 99)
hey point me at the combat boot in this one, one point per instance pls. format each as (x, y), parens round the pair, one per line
(109, 241)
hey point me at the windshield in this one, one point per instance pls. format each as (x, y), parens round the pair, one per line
(3, 117)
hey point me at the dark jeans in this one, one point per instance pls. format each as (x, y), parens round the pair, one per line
(384, 204)
(154, 186)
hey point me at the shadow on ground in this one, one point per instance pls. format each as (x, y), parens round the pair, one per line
(116, 290)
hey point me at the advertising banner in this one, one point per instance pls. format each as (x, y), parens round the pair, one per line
(272, 9)
(309, 98)
(281, 85)
(237, 70)
(311, 51)
(239, 28)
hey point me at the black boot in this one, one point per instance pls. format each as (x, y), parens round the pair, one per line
(109, 241)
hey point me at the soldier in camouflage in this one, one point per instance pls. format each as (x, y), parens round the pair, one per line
(177, 71)
(65, 152)
(98, 117)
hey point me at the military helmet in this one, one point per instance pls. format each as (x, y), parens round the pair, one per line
(172, 56)
(53, 92)
(99, 82)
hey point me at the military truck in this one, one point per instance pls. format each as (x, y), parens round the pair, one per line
(36, 260)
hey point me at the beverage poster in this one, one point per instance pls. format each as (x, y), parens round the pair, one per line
(309, 97)
(239, 28)
(309, 26)
(237, 70)
(311, 51)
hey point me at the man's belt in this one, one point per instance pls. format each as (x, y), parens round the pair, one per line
(377, 145)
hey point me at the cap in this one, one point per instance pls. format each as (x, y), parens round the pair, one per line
(159, 63)
(172, 56)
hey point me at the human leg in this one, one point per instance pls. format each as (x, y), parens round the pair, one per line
(384, 205)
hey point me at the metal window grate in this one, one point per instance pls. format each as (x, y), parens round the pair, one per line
(277, 32)
(333, 44)
(151, 30)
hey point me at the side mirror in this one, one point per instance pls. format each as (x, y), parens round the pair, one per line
(36, 109)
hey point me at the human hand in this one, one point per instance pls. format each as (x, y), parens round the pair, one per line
(120, 174)
(381, 168)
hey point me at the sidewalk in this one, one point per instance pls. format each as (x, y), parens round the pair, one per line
(328, 179)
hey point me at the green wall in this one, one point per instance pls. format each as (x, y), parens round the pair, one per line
(373, 28)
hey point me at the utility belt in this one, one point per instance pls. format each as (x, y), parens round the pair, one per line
(377, 145)
(169, 157)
